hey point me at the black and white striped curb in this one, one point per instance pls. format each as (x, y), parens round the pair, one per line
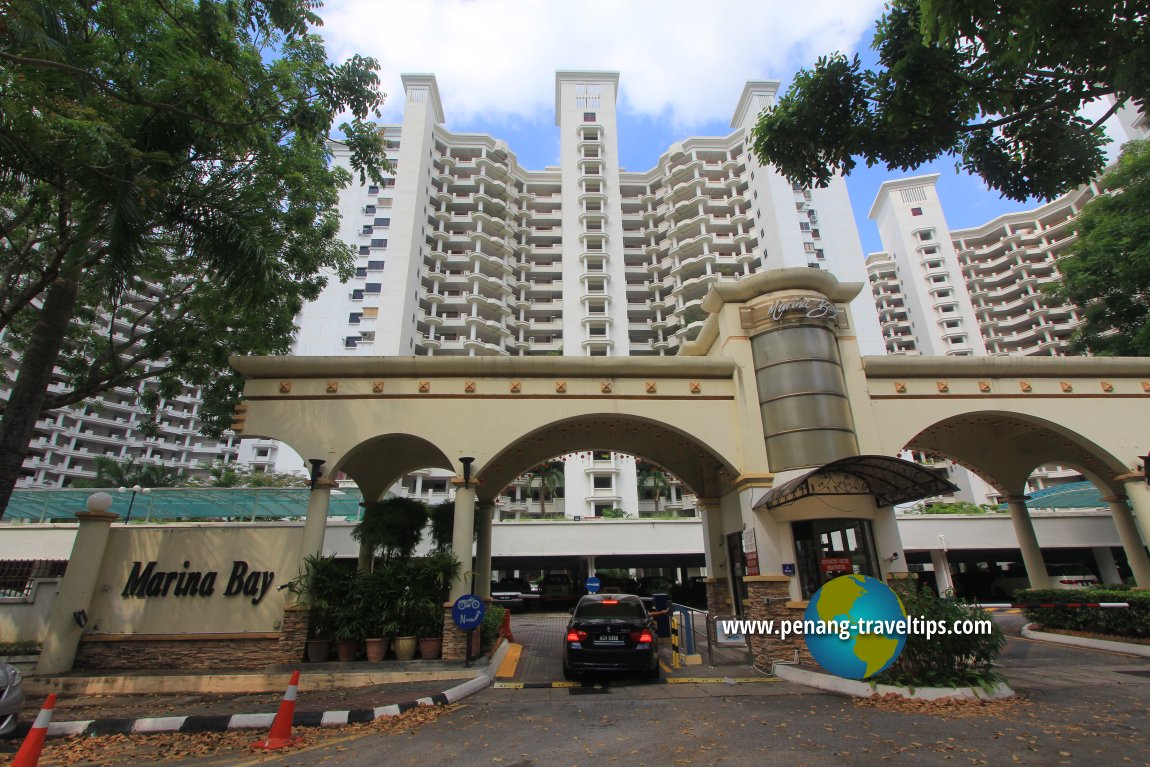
(223, 723)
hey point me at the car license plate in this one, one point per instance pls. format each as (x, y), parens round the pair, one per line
(609, 639)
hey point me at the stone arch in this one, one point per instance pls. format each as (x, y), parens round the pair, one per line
(702, 468)
(1005, 448)
(376, 463)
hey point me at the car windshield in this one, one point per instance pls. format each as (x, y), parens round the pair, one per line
(611, 609)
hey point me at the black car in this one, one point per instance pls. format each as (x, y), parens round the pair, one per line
(610, 632)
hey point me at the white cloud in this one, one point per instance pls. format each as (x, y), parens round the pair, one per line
(686, 61)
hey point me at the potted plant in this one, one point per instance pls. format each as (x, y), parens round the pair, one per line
(429, 629)
(378, 606)
(318, 588)
(406, 642)
(348, 616)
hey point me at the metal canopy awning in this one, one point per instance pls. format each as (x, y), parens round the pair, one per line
(889, 480)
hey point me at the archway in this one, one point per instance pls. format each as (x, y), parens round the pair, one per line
(1005, 449)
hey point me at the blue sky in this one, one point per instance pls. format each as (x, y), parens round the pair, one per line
(682, 66)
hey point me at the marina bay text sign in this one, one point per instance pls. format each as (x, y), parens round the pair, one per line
(812, 308)
(147, 581)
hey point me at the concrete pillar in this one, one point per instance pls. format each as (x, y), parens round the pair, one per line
(315, 524)
(1131, 541)
(943, 581)
(714, 541)
(1138, 494)
(462, 535)
(1028, 542)
(483, 551)
(62, 638)
(1107, 567)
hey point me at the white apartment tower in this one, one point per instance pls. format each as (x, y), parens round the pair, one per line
(464, 252)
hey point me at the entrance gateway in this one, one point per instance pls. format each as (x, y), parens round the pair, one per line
(788, 437)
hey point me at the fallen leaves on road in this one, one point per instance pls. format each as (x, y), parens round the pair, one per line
(114, 750)
(945, 707)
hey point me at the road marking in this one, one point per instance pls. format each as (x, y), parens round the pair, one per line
(666, 680)
(665, 667)
(510, 662)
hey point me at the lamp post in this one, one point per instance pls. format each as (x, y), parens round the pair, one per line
(466, 461)
(135, 489)
(316, 470)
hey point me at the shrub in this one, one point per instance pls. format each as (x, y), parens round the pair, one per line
(949, 660)
(489, 629)
(1133, 621)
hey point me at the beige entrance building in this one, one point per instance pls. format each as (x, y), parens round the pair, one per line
(771, 417)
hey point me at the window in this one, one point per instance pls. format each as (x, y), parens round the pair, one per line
(604, 483)
(925, 235)
(364, 250)
(369, 210)
(379, 243)
(916, 211)
(372, 287)
(375, 266)
(350, 342)
(357, 295)
(373, 189)
(956, 340)
(361, 271)
(588, 117)
(382, 222)
(601, 455)
(354, 317)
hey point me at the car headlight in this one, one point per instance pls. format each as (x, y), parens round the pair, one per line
(14, 676)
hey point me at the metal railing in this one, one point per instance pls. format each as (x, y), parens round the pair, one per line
(18, 576)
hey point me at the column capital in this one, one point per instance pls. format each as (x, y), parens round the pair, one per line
(1016, 498)
(324, 484)
(472, 484)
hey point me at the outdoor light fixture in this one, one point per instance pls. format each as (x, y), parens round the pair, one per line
(135, 489)
(81, 618)
(1145, 459)
(316, 470)
(98, 502)
(466, 470)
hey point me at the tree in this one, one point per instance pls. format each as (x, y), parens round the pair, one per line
(997, 83)
(230, 474)
(393, 526)
(166, 195)
(551, 476)
(113, 473)
(1106, 271)
(650, 475)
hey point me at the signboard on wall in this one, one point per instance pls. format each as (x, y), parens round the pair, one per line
(836, 565)
(750, 552)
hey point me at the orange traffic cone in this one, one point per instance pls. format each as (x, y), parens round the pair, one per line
(505, 629)
(280, 734)
(29, 753)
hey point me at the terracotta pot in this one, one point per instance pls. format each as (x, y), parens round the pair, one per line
(405, 648)
(430, 648)
(318, 650)
(376, 649)
(346, 649)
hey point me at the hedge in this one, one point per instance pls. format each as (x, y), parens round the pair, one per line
(1133, 621)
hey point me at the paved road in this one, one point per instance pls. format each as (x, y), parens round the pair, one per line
(1077, 708)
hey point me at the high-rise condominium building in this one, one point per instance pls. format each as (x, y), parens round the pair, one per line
(465, 252)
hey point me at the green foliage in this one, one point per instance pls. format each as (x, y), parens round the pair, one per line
(443, 524)
(113, 473)
(957, 507)
(321, 587)
(1106, 272)
(615, 513)
(950, 660)
(648, 474)
(551, 476)
(165, 165)
(998, 84)
(393, 526)
(1133, 621)
(489, 629)
(230, 474)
